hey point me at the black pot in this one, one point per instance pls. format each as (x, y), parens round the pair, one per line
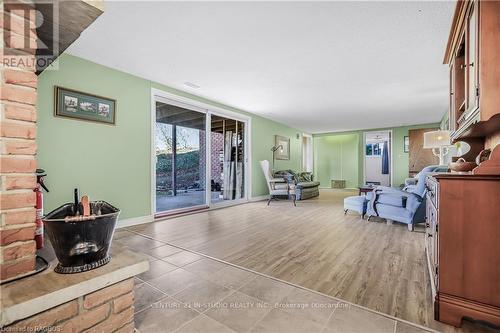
(81, 243)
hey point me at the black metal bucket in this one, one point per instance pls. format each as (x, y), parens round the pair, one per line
(81, 243)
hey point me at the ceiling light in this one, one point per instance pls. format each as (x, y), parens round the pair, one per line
(191, 85)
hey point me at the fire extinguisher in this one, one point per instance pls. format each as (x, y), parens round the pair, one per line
(40, 173)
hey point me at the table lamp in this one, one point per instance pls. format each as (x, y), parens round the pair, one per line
(439, 142)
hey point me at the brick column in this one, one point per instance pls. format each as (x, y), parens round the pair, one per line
(18, 147)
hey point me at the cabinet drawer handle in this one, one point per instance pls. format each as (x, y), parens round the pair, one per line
(429, 235)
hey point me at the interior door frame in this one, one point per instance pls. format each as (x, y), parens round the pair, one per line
(208, 110)
(310, 137)
(391, 154)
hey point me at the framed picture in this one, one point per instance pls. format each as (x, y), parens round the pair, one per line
(406, 144)
(283, 153)
(82, 106)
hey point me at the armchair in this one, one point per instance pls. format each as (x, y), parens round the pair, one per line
(405, 206)
(410, 183)
(278, 187)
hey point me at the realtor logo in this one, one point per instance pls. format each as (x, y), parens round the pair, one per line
(30, 33)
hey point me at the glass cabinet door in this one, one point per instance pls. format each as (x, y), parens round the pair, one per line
(472, 64)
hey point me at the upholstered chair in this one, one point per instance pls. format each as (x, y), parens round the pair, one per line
(411, 183)
(278, 187)
(405, 206)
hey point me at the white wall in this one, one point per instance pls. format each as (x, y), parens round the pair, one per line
(374, 171)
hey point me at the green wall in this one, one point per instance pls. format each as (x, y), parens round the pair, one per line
(326, 144)
(263, 132)
(113, 162)
(336, 157)
(445, 121)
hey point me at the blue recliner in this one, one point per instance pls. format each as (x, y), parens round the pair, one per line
(411, 183)
(405, 206)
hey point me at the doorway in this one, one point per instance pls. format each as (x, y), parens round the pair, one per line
(307, 153)
(199, 155)
(378, 158)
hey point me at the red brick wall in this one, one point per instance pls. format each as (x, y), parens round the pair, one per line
(202, 158)
(217, 142)
(18, 148)
(104, 311)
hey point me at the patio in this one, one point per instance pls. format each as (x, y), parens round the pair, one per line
(165, 202)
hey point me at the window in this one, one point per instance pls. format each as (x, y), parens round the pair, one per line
(374, 149)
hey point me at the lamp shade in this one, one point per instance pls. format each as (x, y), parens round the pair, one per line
(437, 139)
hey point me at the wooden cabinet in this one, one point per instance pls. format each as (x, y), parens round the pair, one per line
(473, 54)
(463, 210)
(431, 229)
(463, 247)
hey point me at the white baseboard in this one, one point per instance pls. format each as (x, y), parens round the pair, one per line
(259, 198)
(134, 221)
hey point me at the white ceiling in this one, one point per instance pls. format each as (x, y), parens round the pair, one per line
(316, 66)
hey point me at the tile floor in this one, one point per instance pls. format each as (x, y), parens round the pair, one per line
(187, 292)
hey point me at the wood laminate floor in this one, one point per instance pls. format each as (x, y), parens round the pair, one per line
(314, 245)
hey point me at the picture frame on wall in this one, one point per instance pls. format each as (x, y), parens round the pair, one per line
(283, 153)
(406, 144)
(69, 103)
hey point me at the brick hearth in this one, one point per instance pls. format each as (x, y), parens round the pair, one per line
(107, 310)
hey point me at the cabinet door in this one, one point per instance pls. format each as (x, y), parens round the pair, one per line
(435, 245)
(433, 236)
(472, 63)
(452, 117)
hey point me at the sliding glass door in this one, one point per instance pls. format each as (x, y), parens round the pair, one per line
(227, 142)
(200, 157)
(180, 158)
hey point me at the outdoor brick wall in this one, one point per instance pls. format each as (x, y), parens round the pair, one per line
(104, 311)
(18, 147)
(202, 159)
(217, 145)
